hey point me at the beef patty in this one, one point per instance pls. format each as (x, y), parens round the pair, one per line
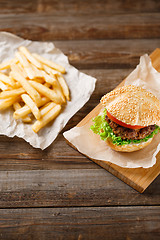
(128, 133)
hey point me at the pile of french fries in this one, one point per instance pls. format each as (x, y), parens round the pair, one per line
(34, 86)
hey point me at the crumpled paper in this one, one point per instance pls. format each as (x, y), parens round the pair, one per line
(92, 146)
(81, 87)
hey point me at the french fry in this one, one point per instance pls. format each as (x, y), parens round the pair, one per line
(24, 62)
(49, 63)
(30, 57)
(47, 69)
(59, 92)
(39, 80)
(46, 108)
(5, 79)
(57, 85)
(6, 103)
(25, 110)
(46, 92)
(17, 106)
(38, 73)
(53, 73)
(52, 114)
(50, 70)
(22, 70)
(32, 105)
(25, 84)
(16, 84)
(58, 89)
(3, 86)
(48, 85)
(64, 86)
(7, 64)
(48, 78)
(38, 83)
(12, 93)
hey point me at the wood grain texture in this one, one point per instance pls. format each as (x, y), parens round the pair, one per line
(81, 223)
(47, 27)
(68, 187)
(82, 7)
(106, 54)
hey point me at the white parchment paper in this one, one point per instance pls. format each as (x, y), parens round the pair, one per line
(92, 146)
(81, 87)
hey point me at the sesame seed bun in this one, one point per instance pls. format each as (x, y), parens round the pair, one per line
(128, 147)
(133, 105)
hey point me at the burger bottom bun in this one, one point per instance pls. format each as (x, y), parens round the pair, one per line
(128, 147)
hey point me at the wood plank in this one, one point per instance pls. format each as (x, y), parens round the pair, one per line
(9, 6)
(78, 7)
(112, 54)
(21, 156)
(68, 187)
(47, 26)
(81, 223)
(138, 178)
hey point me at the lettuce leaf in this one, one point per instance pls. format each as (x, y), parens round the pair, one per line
(102, 128)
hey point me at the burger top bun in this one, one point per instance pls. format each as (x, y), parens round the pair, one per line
(133, 105)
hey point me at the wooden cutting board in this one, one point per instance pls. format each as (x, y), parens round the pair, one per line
(138, 178)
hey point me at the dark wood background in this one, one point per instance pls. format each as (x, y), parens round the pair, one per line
(58, 193)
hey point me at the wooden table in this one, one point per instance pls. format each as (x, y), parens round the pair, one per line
(58, 193)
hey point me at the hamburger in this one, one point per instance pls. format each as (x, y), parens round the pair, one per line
(130, 119)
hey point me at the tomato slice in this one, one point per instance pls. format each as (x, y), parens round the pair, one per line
(122, 123)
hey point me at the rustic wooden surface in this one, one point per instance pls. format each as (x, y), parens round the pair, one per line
(58, 193)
